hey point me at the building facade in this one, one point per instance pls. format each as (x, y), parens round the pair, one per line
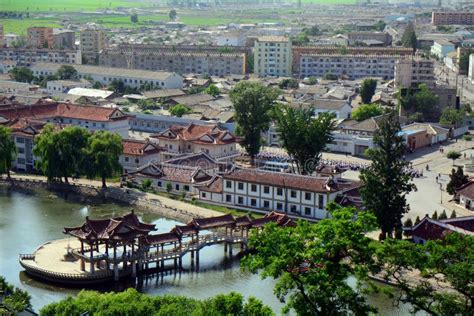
(130, 77)
(40, 37)
(64, 39)
(357, 37)
(273, 56)
(452, 18)
(92, 43)
(27, 57)
(409, 73)
(441, 48)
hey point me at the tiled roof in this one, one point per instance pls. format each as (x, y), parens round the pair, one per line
(199, 134)
(327, 104)
(215, 185)
(291, 181)
(163, 93)
(430, 229)
(193, 99)
(466, 190)
(201, 160)
(137, 147)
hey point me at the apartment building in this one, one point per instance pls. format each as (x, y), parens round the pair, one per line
(348, 66)
(92, 43)
(235, 38)
(452, 18)
(180, 60)
(64, 39)
(40, 37)
(27, 57)
(273, 56)
(409, 73)
(24, 132)
(297, 195)
(441, 48)
(211, 139)
(341, 51)
(104, 75)
(470, 75)
(138, 153)
(355, 38)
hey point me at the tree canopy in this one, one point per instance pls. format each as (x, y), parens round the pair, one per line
(366, 111)
(22, 74)
(131, 302)
(367, 90)
(386, 182)
(12, 299)
(288, 83)
(409, 38)
(180, 110)
(172, 14)
(451, 117)
(456, 179)
(252, 103)
(7, 150)
(304, 136)
(312, 262)
(66, 72)
(213, 90)
(453, 155)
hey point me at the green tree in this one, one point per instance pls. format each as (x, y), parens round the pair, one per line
(449, 262)
(456, 179)
(22, 74)
(443, 215)
(118, 86)
(367, 90)
(12, 299)
(417, 220)
(312, 81)
(46, 150)
(180, 110)
(7, 150)
(134, 18)
(252, 103)
(330, 76)
(453, 155)
(451, 117)
(288, 84)
(409, 39)
(213, 90)
(169, 187)
(435, 215)
(172, 14)
(304, 136)
(66, 72)
(366, 111)
(425, 100)
(312, 262)
(386, 182)
(408, 223)
(102, 155)
(453, 214)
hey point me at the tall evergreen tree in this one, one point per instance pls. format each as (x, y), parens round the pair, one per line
(456, 179)
(7, 150)
(367, 90)
(386, 182)
(409, 38)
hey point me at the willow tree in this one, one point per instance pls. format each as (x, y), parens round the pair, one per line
(7, 151)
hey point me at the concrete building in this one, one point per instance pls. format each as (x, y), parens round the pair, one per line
(231, 39)
(130, 77)
(273, 56)
(40, 37)
(27, 57)
(361, 37)
(63, 86)
(348, 66)
(138, 153)
(182, 60)
(471, 68)
(92, 43)
(64, 39)
(452, 18)
(441, 48)
(409, 73)
(10, 39)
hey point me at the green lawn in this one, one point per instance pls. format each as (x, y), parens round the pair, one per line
(19, 26)
(66, 5)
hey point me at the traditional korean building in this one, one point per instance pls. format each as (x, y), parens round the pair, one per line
(431, 229)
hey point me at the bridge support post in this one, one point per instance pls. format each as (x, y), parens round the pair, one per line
(192, 258)
(225, 247)
(116, 272)
(134, 269)
(180, 262)
(197, 258)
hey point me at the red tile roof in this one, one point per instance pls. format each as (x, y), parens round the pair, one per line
(198, 134)
(466, 190)
(430, 229)
(136, 147)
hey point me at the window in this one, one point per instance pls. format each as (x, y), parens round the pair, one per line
(253, 188)
(266, 204)
(228, 184)
(307, 211)
(21, 161)
(279, 206)
(253, 202)
(307, 196)
(240, 200)
(279, 191)
(321, 201)
(159, 184)
(293, 209)
(240, 185)
(20, 140)
(203, 194)
(21, 150)
(228, 198)
(186, 188)
(126, 158)
(266, 189)
(177, 187)
(293, 194)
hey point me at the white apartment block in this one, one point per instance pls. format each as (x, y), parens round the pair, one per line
(273, 56)
(349, 66)
(92, 42)
(409, 73)
(131, 77)
(28, 57)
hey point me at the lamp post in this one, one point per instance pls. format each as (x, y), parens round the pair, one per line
(441, 191)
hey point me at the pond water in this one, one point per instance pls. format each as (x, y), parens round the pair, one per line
(30, 217)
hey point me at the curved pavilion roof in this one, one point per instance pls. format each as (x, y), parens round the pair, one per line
(125, 227)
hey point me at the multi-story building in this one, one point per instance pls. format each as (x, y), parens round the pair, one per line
(210, 139)
(471, 68)
(104, 75)
(273, 56)
(452, 18)
(441, 48)
(137, 153)
(24, 132)
(360, 37)
(347, 65)
(342, 51)
(40, 37)
(410, 72)
(182, 60)
(64, 39)
(92, 42)
(27, 57)
(236, 38)
(297, 195)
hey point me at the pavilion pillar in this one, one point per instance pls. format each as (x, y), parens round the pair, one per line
(230, 245)
(97, 249)
(133, 263)
(179, 254)
(107, 266)
(124, 256)
(162, 260)
(91, 258)
(83, 266)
